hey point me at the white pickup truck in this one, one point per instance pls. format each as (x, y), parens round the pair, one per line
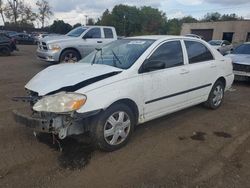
(75, 45)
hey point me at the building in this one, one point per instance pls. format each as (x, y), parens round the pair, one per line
(233, 31)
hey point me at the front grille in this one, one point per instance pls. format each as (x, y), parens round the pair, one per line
(42, 46)
(240, 67)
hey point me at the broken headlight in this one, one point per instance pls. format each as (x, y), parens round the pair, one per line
(60, 103)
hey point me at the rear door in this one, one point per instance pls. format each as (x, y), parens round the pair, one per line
(108, 34)
(202, 67)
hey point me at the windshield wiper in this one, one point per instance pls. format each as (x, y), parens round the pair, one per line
(97, 50)
(116, 56)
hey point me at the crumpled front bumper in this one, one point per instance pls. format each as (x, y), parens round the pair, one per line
(62, 125)
(38, 124)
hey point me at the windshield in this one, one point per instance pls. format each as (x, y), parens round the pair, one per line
(120, 53)
(76, 32)
(215, 42)
(242, 49)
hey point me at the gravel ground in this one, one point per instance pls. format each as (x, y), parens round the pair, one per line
(195, 147)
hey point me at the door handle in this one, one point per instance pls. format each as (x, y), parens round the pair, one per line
(184, 71)
(99, 41)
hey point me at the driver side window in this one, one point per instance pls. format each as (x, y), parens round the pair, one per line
(169, 53)
(94, 33)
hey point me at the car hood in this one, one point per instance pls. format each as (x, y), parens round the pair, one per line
(243, 59)
(58, 39)
(69, 77)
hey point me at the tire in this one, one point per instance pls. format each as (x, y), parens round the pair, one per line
(117, 133)
(5, 51)
(69, 56)
(216, 95)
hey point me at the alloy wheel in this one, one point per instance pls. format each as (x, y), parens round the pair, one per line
(218, 95)
(117, 128)
(70, 58)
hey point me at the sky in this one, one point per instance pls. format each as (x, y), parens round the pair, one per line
(74, 11)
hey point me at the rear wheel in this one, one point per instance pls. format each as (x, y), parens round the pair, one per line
(216, 95)
(70, 56)
(112, 129)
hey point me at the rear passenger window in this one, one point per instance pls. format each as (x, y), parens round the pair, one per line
(197, 52)
(108, 33)
(170, 53)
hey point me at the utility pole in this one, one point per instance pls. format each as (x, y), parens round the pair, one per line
(86, 16)
(124, 25)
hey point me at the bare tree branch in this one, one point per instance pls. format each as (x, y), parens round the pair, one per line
(44, 10)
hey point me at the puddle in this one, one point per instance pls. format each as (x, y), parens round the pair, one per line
(182, 138)
(200, 136)
(74, 154)
(223, 134)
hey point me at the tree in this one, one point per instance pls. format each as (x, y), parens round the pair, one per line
(17, 12)
(77, 25)
(12, 10)
(44, 10)
(27, 16)
(230, 17)
(2, 11)
(91, 21)
(152, 20)
(212, 17)
(59, 26)
(106, 18)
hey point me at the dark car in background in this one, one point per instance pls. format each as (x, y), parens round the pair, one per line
(7, 44)
(23, 38)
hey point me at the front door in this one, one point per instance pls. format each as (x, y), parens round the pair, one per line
(91, 40)
(164, 86)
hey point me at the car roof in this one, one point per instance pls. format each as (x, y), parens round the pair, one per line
(91, 26)
(162, 37)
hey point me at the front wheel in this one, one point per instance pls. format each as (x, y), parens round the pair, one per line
(69, 56)
(112, 128)
(216, 95)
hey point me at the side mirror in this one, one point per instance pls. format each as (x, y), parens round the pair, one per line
(223, 44)
(151, 65)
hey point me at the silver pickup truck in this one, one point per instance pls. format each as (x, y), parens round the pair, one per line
(75, 45)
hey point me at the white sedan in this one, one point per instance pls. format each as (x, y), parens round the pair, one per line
(223, 46)
(125, 83)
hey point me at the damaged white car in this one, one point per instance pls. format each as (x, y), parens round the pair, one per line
(127, 82)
